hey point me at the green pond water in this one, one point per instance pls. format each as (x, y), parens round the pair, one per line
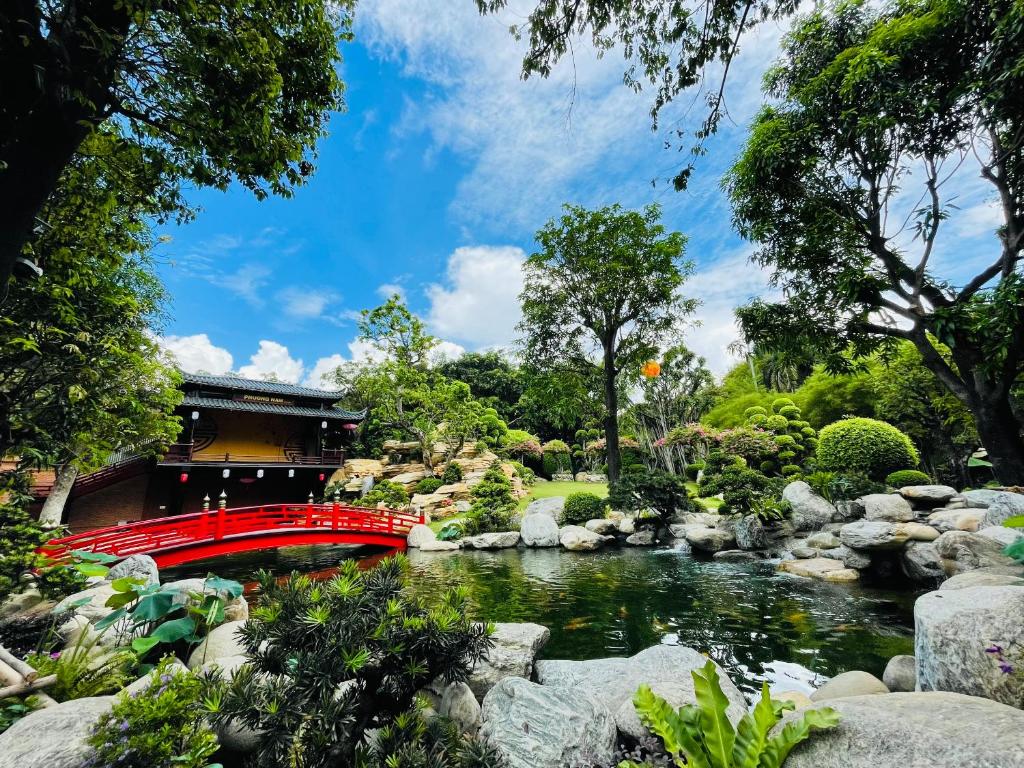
(759, 624)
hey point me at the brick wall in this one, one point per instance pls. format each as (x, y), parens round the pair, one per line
(123, 501)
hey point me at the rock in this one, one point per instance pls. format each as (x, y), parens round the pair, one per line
(516, 646)
(500, 540)
(962, 551)
(824, 540)
(810, 511)
(409, 478)
(710, 539)
(822, 568)
(137, 567)
(53, 737)
(956, 519)
(439, 546)
(1002, 536)
(144, 682)
(888, 507)
(952, 630)
(578, 539)
(96, 608)
(851, 558)
(914, 730)
(459, 704)
(462, 506)
(235, 608)
(900, 674)
(627, 525)
(750, 533)
(735, 556)
(847, 511)
(927, 496)
(222, 641)
(536, 726)
(707, 519)
(20, 603)
(847, 684)
(591, 477)
(682, 546)
(921, 562)
(873, 535)
(983, 577)
(551, 506)
(420, 535)
(615, 680)
(920, 532)
(642, 538)
(999, 505)
(676, 693)
(602, 526)
(539, 530)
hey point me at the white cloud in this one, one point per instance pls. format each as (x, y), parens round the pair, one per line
(272, 360)
(305, 303)
(197, 353)
(479, 305)
(387, 290)
(446, 350)
(323, 367)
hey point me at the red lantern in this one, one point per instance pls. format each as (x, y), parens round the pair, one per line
(651, 369)
(321, 477)
(184, 477)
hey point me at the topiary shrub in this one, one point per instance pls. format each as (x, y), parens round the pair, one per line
(873, 447)
(741, 488)
(330, 661)
(652, 489)
(452, 473)
(583, 506)
(902, 477)
(693, 470)
(556, 458)
(428, 485)
(393, 495)
(788, 470)
(493, 504)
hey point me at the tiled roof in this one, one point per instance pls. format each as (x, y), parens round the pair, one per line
(217, 403)
(259, 385)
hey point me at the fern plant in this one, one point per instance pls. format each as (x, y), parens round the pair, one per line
(701, 736)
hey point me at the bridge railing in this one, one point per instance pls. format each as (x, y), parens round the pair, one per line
(218, 524)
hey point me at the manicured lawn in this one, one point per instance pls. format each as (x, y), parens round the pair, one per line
(546, 490)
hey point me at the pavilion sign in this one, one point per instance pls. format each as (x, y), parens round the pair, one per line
(265, 399)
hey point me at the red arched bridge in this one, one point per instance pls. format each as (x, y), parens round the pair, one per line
(184, 538)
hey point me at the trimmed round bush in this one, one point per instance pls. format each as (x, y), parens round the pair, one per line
(693, 469)
(791, 469)
(790, 412)
(429, 485)
(452, 473)
(583, 506)
(768, 467)
(755, 410)
(758, 420)
(873, 447)
(904, 477)
(782, 402)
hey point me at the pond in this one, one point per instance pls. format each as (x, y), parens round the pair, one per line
(758, 624)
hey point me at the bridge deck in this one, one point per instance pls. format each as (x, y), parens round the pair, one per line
(184, 538)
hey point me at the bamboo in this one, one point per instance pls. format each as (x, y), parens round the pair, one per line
(9, 676)
(27, 687)
(18, 665)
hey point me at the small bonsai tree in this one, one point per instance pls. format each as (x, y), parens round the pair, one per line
(652, 490)
(493, 503)
(329, 661)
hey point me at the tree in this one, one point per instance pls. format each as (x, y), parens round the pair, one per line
(80, 375)
(210, 91)
(605, 281)
(874, 110)
(668, 44)
(492, 379)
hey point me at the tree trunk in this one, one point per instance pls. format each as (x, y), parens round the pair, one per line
(611, 404)
(53, 508)
(999, 431)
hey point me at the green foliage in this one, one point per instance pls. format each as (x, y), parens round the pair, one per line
(393, 495)
(692, 470)
(429, 484)
(864, 445)
(14, 708)
(556, 458)
(743, 489)
(331, 660)
(81, 672)
(904, 477)
(846, 486)
(650, 489)
(159, 726)
(19, 534)
(749, 443)
(524, 473)
(701, 736)
(582, 506)
(822, 483)
(493, 503)
(451, 531)
(452, 473)
(493, 380)
(1016, 549)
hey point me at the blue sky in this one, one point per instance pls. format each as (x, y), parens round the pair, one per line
(433, 182)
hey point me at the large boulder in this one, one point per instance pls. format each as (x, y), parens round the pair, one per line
(914, 730)
(615, 680)
(460, 705)
(848, 510)
(54, 737)
(676, 693)
(985, 577)
(956, 634)
(888, 507)
(956, 519)
(539, 531)
(537, 726)
(222, 641)
(847, 684)
(900, 674)
(96, 608)
(874, 535)
(921, 562)
(1001, 534)
(750, 533)
(420, 535)
(515, 648)
(920, 531)
(642, 538)
(823, 540)
(710, 539)
(578, 539)
(551, 506)
(603, 526)
(927, 496)
(141, 567)
(962, 551)
(851, 558)
(821, 568)
(810, 511)
(999, 505)
(499, 540)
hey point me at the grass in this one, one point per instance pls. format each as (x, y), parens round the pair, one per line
(546, 490)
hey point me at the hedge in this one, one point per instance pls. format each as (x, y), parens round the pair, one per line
(873, 447)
